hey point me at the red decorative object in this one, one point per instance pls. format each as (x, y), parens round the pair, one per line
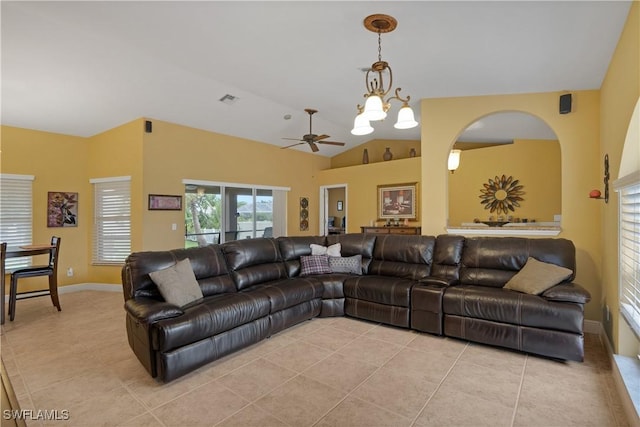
(595, 194)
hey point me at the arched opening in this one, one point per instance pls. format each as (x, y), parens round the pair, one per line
(509, 174)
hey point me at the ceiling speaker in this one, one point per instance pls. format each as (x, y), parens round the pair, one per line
(565, 103)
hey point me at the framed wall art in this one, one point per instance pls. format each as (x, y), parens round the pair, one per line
(397, 201)
(340, 205)
(62, 209)
(304, 213)
(163, 202)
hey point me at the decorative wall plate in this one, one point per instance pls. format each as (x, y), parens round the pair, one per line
(304, 213)
(502, 194)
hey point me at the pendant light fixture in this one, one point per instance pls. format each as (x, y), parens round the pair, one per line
(379, 82)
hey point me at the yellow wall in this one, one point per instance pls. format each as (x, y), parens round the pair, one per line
(443, 119)
(619, 94)
(58, 163)
(117, 152)
(535, 163)
(173, 153)
(376, 148)
(362, 187)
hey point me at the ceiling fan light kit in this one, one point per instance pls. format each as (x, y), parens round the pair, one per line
(376, 106)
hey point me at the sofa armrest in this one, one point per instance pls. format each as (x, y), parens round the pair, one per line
(438, 281)
(147, 310)
(567, 292)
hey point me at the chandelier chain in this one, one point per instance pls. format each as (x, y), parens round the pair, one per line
(379, 47)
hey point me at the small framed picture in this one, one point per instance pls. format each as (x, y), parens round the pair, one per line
(339, 205)
(163, 202)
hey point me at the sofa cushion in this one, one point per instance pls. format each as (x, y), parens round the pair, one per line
(293, 247)
(212, 316)
(314, 264)
(289, 292)
(516, 308)
(536, 277)
(348, 265)
(405, 256)
(493, 261)
(355, 244)
(254, 261)
(177, 283)
(331, 250)
(207, 263)
(379, 289)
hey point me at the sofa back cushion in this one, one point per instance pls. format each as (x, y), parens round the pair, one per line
(355, 244)
(292, 248)
(404, 256)
(447, 257)
(492, 261)
(207, 262)
(254, 261)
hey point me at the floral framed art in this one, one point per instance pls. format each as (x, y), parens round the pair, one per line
(397, 201)
(62, 209)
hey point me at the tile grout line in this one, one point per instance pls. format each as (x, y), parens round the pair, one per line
(515, 407)
(359, 385)
(298, 374)
(413, 422)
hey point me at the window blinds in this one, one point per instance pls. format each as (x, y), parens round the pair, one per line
(630, 254)
(16, 214)
(112, 220)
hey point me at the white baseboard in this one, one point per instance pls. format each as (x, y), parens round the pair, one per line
(593, 327)
(103, 287)
(631, 411)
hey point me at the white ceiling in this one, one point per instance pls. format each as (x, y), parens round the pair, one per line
(81, 68)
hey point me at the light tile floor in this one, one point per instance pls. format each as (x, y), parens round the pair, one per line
(323, 372)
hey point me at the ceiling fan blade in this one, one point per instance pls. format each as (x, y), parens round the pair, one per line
(314, 147)
(330, 142)
(319, 137)
(294, 139)
(292, 145)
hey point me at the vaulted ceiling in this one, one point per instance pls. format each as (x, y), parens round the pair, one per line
(83, 67)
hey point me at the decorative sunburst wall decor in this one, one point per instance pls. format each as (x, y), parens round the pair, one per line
(501, 194)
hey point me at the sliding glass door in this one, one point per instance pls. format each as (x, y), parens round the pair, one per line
(221, 213)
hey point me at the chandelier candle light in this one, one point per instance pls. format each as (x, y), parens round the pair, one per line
(376, 106)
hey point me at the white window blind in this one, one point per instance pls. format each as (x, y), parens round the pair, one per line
(112, 220)
(16, 214)
(630, 253)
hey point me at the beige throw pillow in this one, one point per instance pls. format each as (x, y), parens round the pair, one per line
(177, 284)
(537, 276)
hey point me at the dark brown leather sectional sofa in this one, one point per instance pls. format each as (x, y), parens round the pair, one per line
(445, 285)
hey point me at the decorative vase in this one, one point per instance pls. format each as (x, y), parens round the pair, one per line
(365, 157)
(388, 155)
(412, 152)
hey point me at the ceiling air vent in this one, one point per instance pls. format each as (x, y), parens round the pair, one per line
(229, 99)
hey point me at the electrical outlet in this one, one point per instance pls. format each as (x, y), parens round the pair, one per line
(174, 227)
(70, 272)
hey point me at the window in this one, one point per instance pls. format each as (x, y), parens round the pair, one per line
(629, 241)
(221, 212)
(112, 220)
(16, 214)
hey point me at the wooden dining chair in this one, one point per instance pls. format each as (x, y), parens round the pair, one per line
(50, 270)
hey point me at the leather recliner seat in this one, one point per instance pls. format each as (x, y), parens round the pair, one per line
(445, 285)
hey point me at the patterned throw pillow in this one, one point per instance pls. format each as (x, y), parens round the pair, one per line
(349, 265)
(314, 264)
(333, 250)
